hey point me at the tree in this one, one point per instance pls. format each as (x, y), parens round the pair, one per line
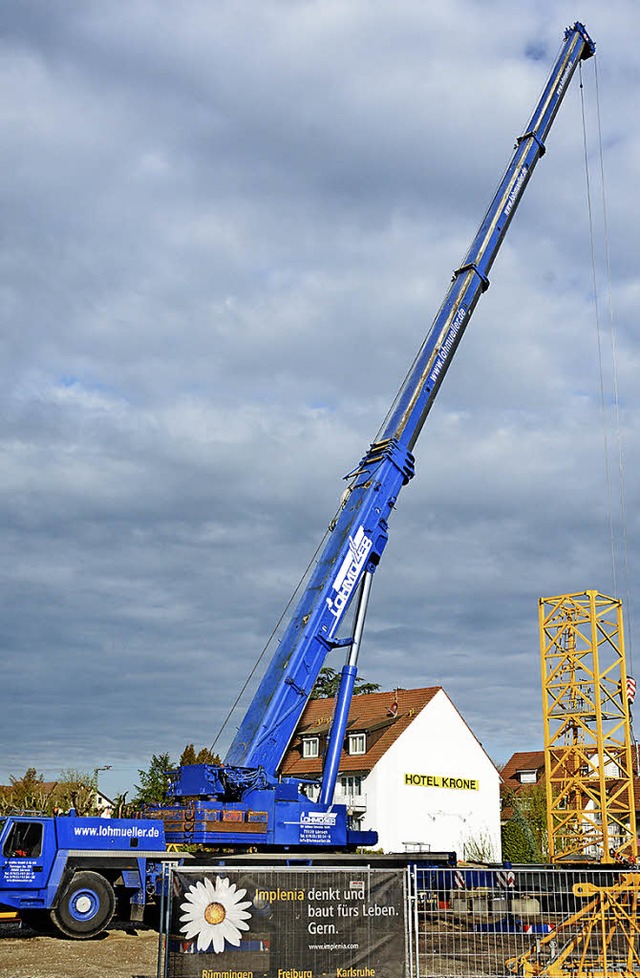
(28, 793)
(517, 842)
(76, 789)
(154, 781)
(72, 789)
(524, 833)
(479, 848)
(188, 755)
(204, 756)
(328, 681)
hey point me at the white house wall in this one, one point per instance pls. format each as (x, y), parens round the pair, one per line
(435, 816)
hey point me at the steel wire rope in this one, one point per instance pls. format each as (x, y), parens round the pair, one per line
(614, 360)
(273, 633)
(596, 306)
(616, 401)
(612, 326)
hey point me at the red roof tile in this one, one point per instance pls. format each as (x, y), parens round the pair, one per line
(532, 760)
(373, 713)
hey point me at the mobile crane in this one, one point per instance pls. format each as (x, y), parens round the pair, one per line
(245, 801)
(75, 870)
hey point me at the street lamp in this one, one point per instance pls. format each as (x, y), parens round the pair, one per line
(96, 771)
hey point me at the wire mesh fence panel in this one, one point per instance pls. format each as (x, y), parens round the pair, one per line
(493, 923)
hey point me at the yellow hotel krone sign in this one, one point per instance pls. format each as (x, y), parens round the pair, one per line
(441, 781)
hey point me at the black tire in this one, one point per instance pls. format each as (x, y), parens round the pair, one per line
(86, 906)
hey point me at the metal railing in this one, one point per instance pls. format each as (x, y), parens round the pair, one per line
(352, 799)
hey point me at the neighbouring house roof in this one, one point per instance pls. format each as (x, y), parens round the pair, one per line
(382, 716)
(104, 799)
(532, 760)
(616, 786)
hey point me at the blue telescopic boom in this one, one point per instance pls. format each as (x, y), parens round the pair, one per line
(359, 533)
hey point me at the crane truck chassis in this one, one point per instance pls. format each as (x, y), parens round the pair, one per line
(79, 870)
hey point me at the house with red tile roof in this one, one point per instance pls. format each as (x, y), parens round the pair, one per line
(522, 768)
(526, 769)
(523, 774)
(411, 769)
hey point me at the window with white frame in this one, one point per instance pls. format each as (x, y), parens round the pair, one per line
(310, 746)
(351, 784)
(357, 743)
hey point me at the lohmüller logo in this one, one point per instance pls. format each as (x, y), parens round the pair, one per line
(445, 349)
(565, 78)
(347, 576)
(324, 819)
(515, 190)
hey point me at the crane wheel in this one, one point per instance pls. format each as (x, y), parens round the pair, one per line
(85, 907)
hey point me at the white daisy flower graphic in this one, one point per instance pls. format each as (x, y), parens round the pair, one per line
(215, 914)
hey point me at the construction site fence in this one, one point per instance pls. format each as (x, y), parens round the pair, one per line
(421, 922)
(494, 923)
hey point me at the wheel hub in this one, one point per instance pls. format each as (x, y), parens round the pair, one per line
(83, 904)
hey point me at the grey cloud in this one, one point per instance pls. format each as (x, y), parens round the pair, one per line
(221, 248)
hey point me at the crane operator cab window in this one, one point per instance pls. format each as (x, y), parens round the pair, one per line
(24, 840)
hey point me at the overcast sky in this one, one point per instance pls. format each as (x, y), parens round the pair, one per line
(226, 228)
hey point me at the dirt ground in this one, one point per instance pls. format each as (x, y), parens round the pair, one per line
(117, 954)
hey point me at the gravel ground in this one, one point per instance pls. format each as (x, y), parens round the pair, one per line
(118, 954)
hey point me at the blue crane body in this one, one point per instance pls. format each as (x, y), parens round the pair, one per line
(76, 869)
(353, 550)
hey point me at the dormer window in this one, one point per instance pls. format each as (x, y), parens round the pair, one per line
(310, 746)
(527, 777)
(357, 743)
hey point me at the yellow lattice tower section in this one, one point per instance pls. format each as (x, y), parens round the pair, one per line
(599, 940)
(587, 729)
